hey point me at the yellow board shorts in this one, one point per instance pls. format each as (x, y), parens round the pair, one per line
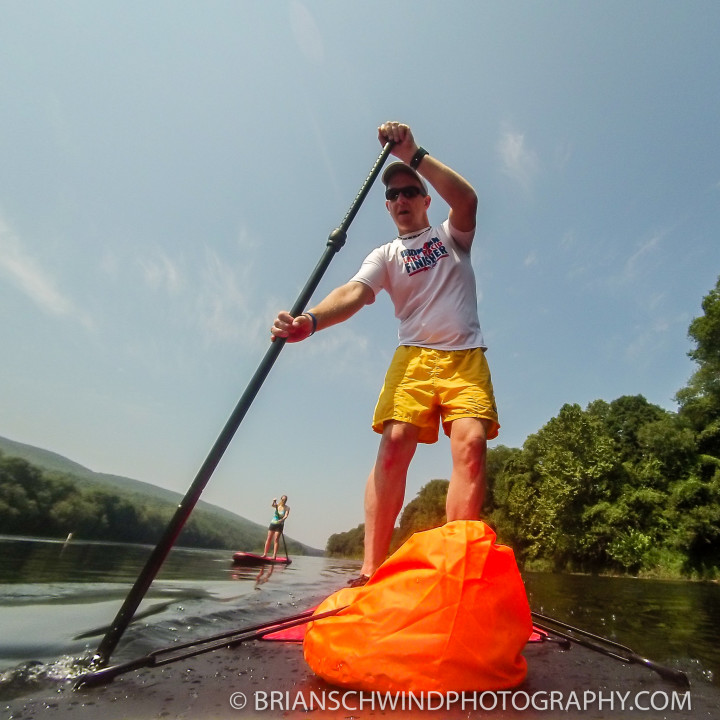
(423, 385)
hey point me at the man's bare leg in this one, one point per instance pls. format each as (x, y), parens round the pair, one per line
(468, 446)
(385, 491)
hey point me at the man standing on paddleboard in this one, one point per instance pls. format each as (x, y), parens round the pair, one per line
(439, 371)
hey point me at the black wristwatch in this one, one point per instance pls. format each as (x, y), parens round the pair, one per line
(417, 157)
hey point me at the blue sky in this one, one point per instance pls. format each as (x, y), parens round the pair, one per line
(171, 172)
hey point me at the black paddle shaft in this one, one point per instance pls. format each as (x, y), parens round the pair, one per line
(610, 648)
(335, 242)
(198, 647)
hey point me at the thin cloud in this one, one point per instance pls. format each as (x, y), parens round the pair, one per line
(635, 262)
(224, 303)
(227, 307)
(306, 32)
(342, 351)
(645, 344)
(160, 272)
(518, 162)
(568, 240)
(30, 278)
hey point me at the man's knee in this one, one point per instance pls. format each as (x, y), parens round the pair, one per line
(469, 443)
(398, 444)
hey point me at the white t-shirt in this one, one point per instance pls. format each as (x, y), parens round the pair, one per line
(431, 283)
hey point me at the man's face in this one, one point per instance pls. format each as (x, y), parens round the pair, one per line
(407, 202)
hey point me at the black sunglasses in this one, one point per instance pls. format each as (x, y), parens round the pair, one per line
(409, 192)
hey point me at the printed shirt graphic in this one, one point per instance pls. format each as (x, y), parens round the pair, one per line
(424, 258)
(431, 282)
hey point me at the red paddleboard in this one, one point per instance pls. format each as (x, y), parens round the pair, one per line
(245, 558)
(297, 634)
(292, 635)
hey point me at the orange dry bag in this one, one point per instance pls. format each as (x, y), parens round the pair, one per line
(446, 612)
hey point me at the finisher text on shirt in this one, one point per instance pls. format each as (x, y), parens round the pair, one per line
(424, 258)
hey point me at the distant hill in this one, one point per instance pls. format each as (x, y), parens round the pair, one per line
(57, 464)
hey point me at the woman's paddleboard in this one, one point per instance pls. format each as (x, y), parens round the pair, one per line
(247, 558)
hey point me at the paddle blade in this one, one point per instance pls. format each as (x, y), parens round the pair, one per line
(670, 674)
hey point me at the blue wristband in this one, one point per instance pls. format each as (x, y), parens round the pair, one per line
(314, 322)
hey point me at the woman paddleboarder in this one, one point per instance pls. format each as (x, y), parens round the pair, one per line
(275, 529)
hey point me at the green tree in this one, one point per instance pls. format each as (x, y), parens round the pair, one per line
(696, 521)
(568, 466)
(19, 485)
(346, 544)
(79, 514)
(498, 458)
(623, 420)
(33, 502)
(700, 400)
(671, 444)
(425, 511)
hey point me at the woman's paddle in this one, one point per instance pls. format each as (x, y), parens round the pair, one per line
(287, 556)
(335, 242)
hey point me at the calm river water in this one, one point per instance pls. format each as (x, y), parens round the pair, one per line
(56, 599)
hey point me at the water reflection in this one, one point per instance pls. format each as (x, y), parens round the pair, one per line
(669, 621)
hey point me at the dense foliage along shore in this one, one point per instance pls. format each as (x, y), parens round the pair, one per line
(622, 486)
(39, 502)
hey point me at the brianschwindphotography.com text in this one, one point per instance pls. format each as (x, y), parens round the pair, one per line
(518, 700)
